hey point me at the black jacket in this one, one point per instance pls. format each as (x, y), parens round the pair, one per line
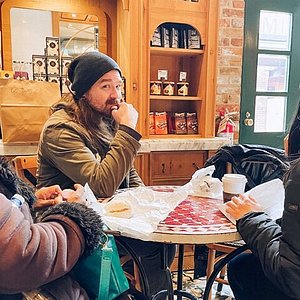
(278, 248)
(258, 163)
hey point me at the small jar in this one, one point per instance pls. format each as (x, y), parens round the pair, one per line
(155, 87)
(168, 88)
(182, 88)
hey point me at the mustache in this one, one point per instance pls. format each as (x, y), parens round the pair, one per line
(113, 101)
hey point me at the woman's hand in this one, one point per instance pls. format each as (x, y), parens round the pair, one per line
(77, 195)
(48, 196)
(241, 205)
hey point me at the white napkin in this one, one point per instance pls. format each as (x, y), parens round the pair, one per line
(203, 184)
(149, 208)
(270, 195)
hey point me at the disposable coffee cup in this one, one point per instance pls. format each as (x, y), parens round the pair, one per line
(233, 185)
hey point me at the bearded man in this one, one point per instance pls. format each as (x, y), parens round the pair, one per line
(91, 138)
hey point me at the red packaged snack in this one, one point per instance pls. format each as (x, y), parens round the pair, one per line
(151, 123)
(161, 123)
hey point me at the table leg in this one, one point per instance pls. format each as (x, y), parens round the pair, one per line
(179, 292)
(180, 269)
(166, 268)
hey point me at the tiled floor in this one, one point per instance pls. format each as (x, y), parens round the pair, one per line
(196, 287)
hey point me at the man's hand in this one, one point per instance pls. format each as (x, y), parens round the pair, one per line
(241, 205)
(48, 196)
(126, 114)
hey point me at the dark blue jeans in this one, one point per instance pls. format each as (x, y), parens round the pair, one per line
(150, 255)
(248, 282)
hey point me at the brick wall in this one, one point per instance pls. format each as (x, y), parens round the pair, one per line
(230, 50)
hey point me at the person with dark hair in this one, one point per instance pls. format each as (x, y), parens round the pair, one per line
(272, 269)
(36, 257)
(91, 138)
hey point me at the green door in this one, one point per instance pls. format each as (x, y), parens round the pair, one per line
(271, 71)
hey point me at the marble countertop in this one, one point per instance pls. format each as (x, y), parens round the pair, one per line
(182, 144)
(148, 145)
(17, 149)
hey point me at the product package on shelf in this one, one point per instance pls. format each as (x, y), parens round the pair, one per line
(182, 88)
(180, 123)
(171, 123)
(156, 38)
(52, 46)
(65, 62)
(192, 123)
(151, 123)
(54, 79)
(53, 65)
(183, 38)
(165, 36)
(39, 65)
(174, 39)
(37, 77)
(64, 85)
(155, 87)
(168, 88)
(161, 123)
(194, 41)
(21, 75)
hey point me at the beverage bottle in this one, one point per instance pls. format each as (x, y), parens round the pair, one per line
(17, 200)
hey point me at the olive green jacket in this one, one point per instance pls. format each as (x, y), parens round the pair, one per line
(66, 155)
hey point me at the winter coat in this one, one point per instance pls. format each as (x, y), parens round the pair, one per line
(259, 163)
(41, 254)
(66, 155)
(278, 248)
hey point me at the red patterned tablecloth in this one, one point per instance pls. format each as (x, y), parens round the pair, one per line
(195, 215)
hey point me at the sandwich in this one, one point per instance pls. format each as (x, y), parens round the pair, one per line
(119, 209)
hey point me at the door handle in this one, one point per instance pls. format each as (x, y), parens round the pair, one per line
(248, 121)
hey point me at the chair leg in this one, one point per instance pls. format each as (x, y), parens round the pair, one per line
(210, 265)
(222, 276)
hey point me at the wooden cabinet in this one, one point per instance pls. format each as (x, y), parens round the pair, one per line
(140, 61)
(174, 167)
(169, 167)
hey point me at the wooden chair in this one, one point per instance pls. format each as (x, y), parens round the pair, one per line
(26, 167)
(217, 265)
(213, 259)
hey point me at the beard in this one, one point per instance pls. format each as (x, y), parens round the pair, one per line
(97, 119)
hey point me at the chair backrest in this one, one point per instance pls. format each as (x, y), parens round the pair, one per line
(26, 167)
(258, 163)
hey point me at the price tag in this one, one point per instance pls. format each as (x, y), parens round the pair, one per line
(162, 74)
(182, 76)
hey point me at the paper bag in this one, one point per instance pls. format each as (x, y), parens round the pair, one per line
(22, 123)
(24, 108)
(13, 91)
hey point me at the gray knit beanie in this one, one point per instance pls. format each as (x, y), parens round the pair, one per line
(87, 68)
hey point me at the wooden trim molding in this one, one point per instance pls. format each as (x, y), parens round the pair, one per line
(104, 11)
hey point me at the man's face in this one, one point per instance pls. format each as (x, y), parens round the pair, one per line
(106, 92)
